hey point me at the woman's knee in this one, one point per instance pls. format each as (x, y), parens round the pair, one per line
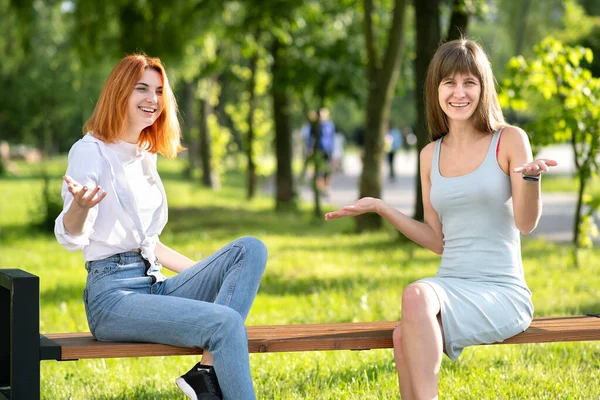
(418, 301)
(254, 248)
(230, 320)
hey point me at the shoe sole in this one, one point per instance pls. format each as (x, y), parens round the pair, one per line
(186, 389)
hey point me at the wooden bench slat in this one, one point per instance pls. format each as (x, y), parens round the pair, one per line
(316, 337)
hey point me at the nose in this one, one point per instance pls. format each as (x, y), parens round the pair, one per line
(153, 97)
(459, 91)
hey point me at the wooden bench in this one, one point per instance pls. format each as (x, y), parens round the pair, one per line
(23, 347)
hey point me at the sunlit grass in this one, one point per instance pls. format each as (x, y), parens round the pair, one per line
(317, 273)
(569, 183)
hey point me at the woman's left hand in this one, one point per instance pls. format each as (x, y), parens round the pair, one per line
(536, 167)
(361, 206)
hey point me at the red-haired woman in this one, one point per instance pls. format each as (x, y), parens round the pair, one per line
(479, 194)
(114, 210)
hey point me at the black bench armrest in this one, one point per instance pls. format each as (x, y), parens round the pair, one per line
(19, 334)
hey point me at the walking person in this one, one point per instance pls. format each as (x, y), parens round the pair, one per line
(324, 149)
(393, 143)
(115, 208)
(481, 190)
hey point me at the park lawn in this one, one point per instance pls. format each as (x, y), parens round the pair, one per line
(317, 273)
(569, 183)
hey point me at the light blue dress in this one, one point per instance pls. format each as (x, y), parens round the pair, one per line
(480, 282)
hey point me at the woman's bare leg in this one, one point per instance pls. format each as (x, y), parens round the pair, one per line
(207, 358)
(406, 391)
(421, 339)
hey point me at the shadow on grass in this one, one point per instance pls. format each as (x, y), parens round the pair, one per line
(230, 222)
(143, 393)
(60, 293)
(18, 233)
(277, 285)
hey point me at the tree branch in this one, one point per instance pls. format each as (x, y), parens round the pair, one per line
(372, 60)
(394, 48)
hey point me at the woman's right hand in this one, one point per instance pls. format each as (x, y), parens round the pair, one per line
(361, 206)
(80, 193)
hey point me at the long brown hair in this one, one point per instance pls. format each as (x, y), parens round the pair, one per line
(462, 56)
(110, 114)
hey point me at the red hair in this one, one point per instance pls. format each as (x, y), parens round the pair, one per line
(110, 114)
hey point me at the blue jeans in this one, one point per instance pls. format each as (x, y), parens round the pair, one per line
(204, 306)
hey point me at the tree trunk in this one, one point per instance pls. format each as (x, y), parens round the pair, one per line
(251, 172)
(284, 178)
(459, 21)
(522, 26)
(578, 211)
(190, 129)
(382, 76)
(206, 109)
(428, 38)
(315, 158)
(222, 116)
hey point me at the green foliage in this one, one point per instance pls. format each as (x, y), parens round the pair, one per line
(239, 107)
(49, 95)
(50, 205)
(315, 274)
(569, 112)
(13, 34)
(219, 136)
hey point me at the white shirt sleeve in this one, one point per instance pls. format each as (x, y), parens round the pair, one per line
(85, 166)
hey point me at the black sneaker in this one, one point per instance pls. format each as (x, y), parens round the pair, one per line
(200, 383)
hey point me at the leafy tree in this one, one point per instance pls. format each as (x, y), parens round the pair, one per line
(382, 75)
(325, 67)
(428, 38)
(46, 84)
(311, 64)
(570, 113)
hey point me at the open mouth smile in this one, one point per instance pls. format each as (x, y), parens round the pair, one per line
(147, 110)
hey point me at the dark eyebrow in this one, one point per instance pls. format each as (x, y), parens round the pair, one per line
(145, 84)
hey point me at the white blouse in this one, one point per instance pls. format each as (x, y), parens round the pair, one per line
(145, 190)
(134, 211)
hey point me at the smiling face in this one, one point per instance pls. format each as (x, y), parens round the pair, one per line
(459, 95)
(145, 104)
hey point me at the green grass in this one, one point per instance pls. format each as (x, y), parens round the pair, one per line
(317, 273)
(568, 183)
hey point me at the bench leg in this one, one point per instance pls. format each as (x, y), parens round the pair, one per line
(19, 335)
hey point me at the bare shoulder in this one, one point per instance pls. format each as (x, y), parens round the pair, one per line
(514, 135)
(426, 158)
(427, 152)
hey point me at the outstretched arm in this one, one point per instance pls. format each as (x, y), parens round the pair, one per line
(526, 193)
(83, 200)
(428, 233)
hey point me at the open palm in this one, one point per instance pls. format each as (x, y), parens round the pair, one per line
(82, 195)
(361, 206)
